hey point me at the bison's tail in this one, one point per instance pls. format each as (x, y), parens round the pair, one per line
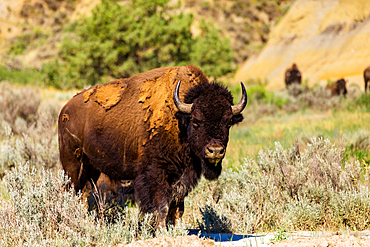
(78, 170)
(78, 152)
(74, 138)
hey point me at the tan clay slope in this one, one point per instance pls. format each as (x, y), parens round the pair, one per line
(16, 15)
(25, 17)
(328, 39)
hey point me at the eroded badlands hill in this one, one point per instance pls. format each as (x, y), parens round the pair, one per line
(327, 39)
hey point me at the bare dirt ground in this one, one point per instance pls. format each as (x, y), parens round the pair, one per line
(335, 240)
(194, 241)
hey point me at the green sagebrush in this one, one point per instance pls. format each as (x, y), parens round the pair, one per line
(123, 40)
(287, 189)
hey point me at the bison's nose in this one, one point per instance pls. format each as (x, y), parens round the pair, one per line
(214, 152)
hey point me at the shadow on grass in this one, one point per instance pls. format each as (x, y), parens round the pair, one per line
(230, 237)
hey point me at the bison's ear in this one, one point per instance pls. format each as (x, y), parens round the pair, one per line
(184, 120)
(237, 119)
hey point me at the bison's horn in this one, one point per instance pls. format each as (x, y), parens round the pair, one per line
(185, 108)
(243, 102)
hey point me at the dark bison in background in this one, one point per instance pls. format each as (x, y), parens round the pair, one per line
(292, 75)
(338, 88)
(152, 130)
(367, 78)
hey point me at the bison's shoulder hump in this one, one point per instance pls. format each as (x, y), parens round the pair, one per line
(156, 95)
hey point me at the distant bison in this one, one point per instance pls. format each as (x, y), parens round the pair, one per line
(338, 88)
(292, 76)
(367, 78)
(152, 131)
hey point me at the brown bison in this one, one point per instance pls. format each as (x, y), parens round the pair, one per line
(152, 131)
(366, 78)
(338, 88)
(292, 76)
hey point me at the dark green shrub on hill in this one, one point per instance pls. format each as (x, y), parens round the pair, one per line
(120, 40)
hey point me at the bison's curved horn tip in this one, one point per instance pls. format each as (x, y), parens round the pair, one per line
(237, 109)
(182, 107)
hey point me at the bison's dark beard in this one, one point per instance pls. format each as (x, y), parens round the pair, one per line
(210, 171)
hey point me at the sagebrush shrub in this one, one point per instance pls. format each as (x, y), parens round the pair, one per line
(18, 104)
(296, 189)
(41, 211)
(28, 130)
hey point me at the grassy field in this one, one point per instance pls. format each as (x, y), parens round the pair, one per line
(248, 139)
(295, 163)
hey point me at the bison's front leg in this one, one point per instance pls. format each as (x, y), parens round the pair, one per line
(176, 211)
(162, 212)
(153, 193)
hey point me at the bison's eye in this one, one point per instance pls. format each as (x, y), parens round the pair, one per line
(195, 123)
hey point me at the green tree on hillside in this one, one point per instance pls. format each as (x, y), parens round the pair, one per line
(120, 40)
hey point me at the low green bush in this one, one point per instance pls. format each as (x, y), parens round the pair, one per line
(23, 77)
(363, 102)
(258, 94)
(359, 148)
